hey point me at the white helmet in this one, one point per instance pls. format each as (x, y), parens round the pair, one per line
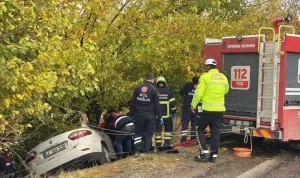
(210, 62)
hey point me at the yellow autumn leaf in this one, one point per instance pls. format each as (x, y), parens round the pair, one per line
(6, 103)
(15, 112)
(31, 111)
(13, 88)
(20, 97)
(27, 94)
(80, 76)
(29, 125)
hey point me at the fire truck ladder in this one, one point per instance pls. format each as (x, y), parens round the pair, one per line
(268, 77)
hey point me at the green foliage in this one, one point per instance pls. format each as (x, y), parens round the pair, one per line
(59, 57)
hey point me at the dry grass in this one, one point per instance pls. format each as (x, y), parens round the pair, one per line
(144, 163)
(145, 166)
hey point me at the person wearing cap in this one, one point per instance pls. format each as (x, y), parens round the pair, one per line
(124, 130)
(212, 88)
(188, 116)
(145, 108)
(168, 110)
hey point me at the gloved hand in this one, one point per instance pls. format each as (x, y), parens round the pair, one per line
(194, 110)
(130, 117)
(13, 163)
(174, 116)
(161, 121)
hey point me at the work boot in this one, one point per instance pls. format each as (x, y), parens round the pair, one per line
(193, 137)
(148, 151)
(202, 157)
(168, 143)
(136, 154)
(213, 158)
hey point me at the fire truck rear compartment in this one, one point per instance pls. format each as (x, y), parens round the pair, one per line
(292, 89)
(242, 102)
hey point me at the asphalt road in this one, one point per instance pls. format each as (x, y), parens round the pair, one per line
(271, 160)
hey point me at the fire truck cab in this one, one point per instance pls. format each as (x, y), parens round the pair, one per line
(264, 79)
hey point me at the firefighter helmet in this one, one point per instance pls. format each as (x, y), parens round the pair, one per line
(161, 79)
(210, 62)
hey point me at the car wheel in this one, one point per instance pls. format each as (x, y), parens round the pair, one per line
(104, 158)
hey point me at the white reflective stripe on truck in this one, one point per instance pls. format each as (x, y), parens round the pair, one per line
(292, 91)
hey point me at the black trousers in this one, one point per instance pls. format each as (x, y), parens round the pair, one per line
(187, 116)
(123, 143)
(214, 121)
(168, 124)
(144, 127)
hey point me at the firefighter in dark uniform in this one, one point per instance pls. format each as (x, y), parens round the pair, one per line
(187, 92)
(144, 109)
(168, 109)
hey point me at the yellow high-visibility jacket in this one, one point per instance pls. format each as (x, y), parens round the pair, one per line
(212, 88)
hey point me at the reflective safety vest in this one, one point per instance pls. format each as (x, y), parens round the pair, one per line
(167, 102)
(211, 91)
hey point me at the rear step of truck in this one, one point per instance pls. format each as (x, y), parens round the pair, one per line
(267, 100)
(244, 118)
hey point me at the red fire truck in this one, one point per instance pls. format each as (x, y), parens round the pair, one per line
(264, 77)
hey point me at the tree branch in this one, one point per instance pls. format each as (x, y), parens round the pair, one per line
(85, 28)
(116, 16)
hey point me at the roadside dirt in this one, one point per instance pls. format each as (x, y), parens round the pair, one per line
(182, 164)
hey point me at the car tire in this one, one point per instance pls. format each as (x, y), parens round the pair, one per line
(104, 158)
